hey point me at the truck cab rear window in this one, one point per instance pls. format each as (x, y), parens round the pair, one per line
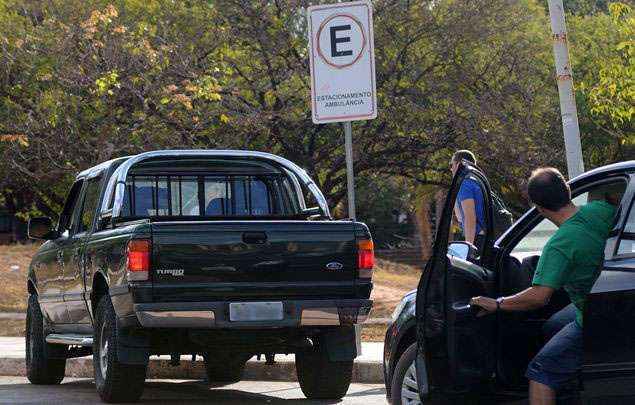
(210, 196)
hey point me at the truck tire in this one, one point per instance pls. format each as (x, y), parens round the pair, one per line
(115, 381)
(41, 369)
(321, 378)
(224, 369)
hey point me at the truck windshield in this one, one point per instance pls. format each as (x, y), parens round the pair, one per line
(210, 195)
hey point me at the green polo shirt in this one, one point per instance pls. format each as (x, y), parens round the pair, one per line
(572, 258)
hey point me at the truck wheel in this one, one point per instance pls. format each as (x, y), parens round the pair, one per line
(321, 378)
(223, 368)
(40, 367)
(115, 381)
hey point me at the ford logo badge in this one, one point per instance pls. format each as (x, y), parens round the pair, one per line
(334, 266)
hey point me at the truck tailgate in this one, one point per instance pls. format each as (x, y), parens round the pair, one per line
(220, 260)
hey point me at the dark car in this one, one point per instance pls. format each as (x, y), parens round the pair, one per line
(439, 348)
(223, 254)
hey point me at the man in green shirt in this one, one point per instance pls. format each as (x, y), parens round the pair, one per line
(571, 260)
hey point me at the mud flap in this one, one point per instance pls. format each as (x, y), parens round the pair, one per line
(133, 346)
(341, 343)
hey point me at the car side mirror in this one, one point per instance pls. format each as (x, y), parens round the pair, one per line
(41, 228)
(463, 250)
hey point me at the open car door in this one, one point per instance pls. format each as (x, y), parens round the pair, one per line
(456, 349)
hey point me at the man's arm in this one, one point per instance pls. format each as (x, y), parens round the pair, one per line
(533, 297)
(469, 219)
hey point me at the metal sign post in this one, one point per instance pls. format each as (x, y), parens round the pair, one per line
(342, 62)
(572, 145)
(350, 176)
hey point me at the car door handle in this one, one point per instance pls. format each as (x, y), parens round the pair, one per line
(254, 238)
(465, 311)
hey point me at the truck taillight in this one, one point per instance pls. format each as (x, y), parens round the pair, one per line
(138, 259)
(365, 258)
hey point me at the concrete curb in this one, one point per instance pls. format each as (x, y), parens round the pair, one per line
(363, 372)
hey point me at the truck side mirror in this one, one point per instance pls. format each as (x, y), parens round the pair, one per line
(41, 228)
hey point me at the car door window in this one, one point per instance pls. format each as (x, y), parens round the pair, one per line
(70, 207)
(536, 239)
(627, 240)
(91, 198)
(471, 190)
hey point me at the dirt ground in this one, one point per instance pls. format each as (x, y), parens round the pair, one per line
(14, 265)
(391, 282)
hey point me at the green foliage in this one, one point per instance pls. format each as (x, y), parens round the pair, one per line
(85, 81)
(603, 54)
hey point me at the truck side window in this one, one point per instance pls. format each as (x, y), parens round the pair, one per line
(91, 198)
(627, 241)
(70, 205)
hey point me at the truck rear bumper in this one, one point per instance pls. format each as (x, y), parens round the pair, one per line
(211, 315)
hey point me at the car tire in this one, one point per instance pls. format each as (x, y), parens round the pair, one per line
(224, 369)
(403, 388)
(115, 381)
(45, 362)
(321, 378)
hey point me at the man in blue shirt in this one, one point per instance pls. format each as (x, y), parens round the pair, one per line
(469, 206)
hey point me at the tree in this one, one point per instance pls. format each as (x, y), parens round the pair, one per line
(603, 52)
(86, 81)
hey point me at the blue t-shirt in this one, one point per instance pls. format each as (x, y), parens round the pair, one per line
(470, 189)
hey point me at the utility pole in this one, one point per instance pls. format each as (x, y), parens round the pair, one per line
(564, 75)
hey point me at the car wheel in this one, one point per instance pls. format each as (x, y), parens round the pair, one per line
(321, 378)
(115, 381)
(224, 369)
(403, 389)
(45, 362)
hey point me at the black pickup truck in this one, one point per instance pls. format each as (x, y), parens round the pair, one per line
(223, 254)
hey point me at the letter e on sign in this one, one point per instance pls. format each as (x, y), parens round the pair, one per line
(342, 61)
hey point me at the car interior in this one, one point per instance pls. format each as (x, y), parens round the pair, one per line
(525, 329)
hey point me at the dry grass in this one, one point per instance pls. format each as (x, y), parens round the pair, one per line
(373, 333)
(14, 265)
(392, 281)
(10, 327)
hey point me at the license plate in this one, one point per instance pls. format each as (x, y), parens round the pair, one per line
(255, 311)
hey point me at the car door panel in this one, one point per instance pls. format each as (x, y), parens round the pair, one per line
(455, 347)
(74, 282)
(48, 267)
(470, 338)
(74, 292)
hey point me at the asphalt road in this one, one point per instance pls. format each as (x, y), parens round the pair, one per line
(17, 390)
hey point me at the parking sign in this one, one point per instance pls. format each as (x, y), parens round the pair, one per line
(342, 61)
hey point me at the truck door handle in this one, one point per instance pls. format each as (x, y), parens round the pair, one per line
(254, 238)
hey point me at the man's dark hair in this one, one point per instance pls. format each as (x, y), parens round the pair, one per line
(548, 189)
(463, 154)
